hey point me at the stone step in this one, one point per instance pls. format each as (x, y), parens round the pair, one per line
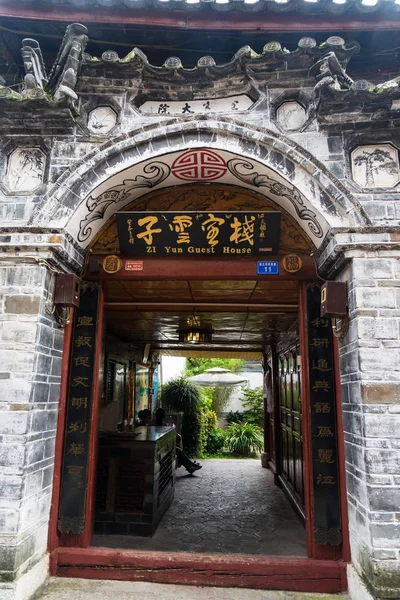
(59, 588)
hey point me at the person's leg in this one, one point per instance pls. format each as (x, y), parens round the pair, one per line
(183, 460)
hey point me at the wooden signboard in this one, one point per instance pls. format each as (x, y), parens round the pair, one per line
(198, 233)
(326, 503)
(71, 517)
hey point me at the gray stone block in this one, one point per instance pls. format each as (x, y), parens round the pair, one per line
(29, 305)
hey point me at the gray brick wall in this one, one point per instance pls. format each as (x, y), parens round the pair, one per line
(370, 372)
(30, 363)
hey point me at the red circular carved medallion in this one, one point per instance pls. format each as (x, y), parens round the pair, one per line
(199, 165)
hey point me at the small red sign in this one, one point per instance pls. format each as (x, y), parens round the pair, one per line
(134, 265)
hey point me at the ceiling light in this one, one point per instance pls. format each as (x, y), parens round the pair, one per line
(195, 335)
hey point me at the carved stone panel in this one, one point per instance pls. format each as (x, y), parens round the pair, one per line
(25, 169)
(291, 115)
(102, 119)
(375, 166)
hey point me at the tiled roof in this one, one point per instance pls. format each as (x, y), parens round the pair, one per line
(245, 60)
(304, 6)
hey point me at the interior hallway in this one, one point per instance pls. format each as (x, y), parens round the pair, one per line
(230, 506)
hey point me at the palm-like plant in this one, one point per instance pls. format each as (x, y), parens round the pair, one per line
(244, 438)
(180, 395)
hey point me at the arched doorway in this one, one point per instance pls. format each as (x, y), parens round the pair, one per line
(91, 226)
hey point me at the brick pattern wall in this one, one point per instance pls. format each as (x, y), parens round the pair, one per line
(30, 368)
(370, 371)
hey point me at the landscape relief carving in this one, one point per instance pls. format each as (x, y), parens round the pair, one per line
(375, 166)
(291, 115)
(25, 169)
(102, 119)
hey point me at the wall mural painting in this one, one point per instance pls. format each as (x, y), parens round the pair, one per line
(102, 119)
(291, 115)
(240, 168)
(219, 197)
(154, 174)
(375, 166)
(25, 169)
(200, 165)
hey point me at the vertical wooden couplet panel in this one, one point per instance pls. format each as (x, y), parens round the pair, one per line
(81, 389)
(323, 429)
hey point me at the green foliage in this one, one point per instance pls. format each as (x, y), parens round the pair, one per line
(254, 402)
(244, 438)
(234, 417)
(215, 440)
(206, 398)
(208, 421)
(220, 398)
(180, 395)
(196, 366)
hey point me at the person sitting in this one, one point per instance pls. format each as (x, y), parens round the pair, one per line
(183, 460)
(160, 416)
(144, 417)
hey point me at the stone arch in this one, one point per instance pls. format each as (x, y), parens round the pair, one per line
(198, 197)
(197, 150)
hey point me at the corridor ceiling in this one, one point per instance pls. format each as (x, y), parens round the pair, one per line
(244, 315)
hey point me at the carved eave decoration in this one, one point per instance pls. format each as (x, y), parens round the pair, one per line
(53, 97)
(363, 102)
(245, 62)
(17, 116)
(233, 6)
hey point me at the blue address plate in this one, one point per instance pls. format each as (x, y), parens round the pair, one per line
(268, 267)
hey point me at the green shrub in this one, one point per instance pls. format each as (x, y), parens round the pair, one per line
(208, 421)
(234, 417)
(180, 395)
(244, 438)
(253, 400)
(215, 440)
(217, 398)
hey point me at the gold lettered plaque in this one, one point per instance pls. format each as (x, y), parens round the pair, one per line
(112, 264)
(198, 233)
(292, 263)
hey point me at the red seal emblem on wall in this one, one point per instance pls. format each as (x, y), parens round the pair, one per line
(199, 165)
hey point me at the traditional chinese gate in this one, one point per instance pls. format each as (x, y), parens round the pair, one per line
(308, 446)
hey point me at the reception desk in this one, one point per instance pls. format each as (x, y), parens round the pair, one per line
(135, 480)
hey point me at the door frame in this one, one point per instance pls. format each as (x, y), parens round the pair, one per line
(77, 558)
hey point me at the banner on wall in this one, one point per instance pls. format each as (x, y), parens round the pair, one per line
(198, 233)
(154, 390)
(326, 499)
(71, 518)
(141, 389)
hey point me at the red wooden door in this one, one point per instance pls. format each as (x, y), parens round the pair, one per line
(291, 422)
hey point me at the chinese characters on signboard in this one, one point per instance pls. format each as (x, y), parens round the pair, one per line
(327, 526)
(198, 233)
(190, 107)
(77, 432)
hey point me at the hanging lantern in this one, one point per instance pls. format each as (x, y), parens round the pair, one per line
(195, 336)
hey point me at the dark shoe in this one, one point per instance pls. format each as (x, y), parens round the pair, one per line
(194, 467)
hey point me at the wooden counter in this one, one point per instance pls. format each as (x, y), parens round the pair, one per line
(135, 480)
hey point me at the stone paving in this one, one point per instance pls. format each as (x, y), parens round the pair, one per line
(230, 506)
(83, 589)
